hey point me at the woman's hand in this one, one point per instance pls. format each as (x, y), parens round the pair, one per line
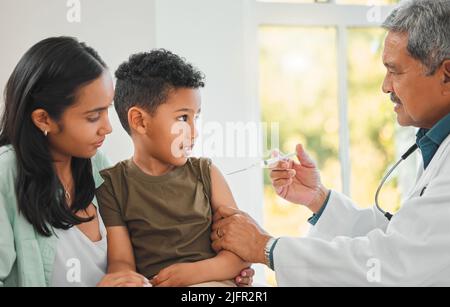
(124, 279)
(299, 183)
(245, 278)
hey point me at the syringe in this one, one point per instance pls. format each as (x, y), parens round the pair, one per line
(265, 163)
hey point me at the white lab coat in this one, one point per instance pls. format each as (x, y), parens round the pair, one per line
(359, 247)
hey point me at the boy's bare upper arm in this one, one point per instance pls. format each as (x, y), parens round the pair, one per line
(120, 248)
(220, 191)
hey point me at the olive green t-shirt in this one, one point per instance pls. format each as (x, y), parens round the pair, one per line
(168, 217)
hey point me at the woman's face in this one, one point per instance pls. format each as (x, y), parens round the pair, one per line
(84, 126)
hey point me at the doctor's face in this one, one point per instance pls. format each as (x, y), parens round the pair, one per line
(418, 97)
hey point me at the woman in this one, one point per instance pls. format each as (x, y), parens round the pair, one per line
(55, 119)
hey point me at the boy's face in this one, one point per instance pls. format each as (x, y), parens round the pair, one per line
(172, 131)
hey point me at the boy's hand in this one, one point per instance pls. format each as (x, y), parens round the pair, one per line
(176, 275)
(245, 278)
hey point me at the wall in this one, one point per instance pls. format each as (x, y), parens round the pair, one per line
(115, 28)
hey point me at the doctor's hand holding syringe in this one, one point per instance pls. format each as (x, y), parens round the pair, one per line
(299, 183)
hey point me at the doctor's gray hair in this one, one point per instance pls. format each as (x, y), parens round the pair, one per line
(427, 23)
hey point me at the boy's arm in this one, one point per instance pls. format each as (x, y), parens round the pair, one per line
(121, 264)
(226, 265)
(120, 250)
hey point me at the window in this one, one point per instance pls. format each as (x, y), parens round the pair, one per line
(320, 77)
(371, 119)
(298, 88)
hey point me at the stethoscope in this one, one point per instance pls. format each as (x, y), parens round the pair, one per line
(403, 158)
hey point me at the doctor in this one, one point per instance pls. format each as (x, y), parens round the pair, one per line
(351, 246)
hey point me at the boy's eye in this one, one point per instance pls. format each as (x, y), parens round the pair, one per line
(183, 118)
(93, 120)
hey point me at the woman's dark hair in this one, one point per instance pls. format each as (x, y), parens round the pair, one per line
(47, 77)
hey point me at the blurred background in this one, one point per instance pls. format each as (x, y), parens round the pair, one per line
(312, 67)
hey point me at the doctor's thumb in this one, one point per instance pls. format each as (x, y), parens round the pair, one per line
(303, 157)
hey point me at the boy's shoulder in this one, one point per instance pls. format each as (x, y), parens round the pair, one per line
(117, 168)
(200, 166)
(200, 161)
(116, 173)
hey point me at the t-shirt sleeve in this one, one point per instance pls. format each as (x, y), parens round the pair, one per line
(99, 163)
(109, 206)
(205, 173)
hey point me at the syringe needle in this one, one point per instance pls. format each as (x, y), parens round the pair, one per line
(264, 163)
(243, 169)
(238, 171)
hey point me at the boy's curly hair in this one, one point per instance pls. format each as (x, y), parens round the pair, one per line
(146, 79)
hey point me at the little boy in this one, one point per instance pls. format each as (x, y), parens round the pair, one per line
(158, 206)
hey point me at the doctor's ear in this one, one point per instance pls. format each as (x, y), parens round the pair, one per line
(138, 120)
(446, 65)
(446, 84)
(42, 121)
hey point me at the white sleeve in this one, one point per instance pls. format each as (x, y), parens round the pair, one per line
(342, 217)
(412, 251)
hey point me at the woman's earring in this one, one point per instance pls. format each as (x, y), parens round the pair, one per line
(45, 132)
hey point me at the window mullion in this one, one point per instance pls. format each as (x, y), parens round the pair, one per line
(344, 127)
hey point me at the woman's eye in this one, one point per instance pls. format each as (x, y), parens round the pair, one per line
(183, 118)
(93, 119)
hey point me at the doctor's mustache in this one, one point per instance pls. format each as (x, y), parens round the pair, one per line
(395, 99)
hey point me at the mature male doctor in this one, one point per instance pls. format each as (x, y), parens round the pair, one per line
(351, 246)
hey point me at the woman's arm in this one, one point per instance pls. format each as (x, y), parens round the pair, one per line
(7, 249)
